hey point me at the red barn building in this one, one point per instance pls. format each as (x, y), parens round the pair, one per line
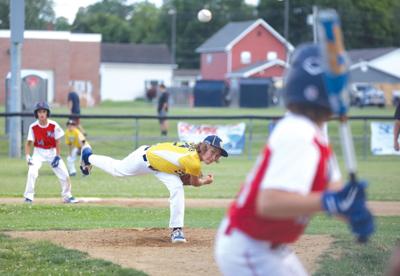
(244, 50)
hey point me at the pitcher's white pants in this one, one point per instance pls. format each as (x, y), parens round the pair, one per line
(238, 254)
(71, 160)
(39, 156)
(134, 164)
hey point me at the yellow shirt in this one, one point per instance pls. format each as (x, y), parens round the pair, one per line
(175, 158)
(74, 138)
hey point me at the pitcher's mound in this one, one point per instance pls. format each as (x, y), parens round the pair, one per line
(151, 251)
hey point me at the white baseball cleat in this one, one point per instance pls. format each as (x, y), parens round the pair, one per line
(177, 236)
(71, 200)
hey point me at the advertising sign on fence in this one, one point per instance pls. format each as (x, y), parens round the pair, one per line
(233, 136)
(382, 139)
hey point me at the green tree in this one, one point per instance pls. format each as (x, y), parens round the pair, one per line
(4, 12)
(111, 27)
(366, 23)
(191, 33)
(144, 23)
(39, 14)
(62, 24)
(109, 18)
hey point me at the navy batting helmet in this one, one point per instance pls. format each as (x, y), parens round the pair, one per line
(304, 83)
(41, 105)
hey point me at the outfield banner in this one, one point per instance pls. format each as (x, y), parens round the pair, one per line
(382, 139)
(233, 136)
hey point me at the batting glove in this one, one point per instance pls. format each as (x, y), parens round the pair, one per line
(55, 161)
(346, 201)
(362, 225)
(29, 160)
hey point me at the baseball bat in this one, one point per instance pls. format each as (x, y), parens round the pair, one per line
(336, 72)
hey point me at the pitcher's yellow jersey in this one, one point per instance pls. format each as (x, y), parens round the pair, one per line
(175, 158)
(74, 138)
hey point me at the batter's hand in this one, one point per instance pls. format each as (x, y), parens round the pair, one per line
(362, 225)
(346, 201)
(351, 203)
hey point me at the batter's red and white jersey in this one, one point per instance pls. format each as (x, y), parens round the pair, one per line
(45, 137)
(297, 158)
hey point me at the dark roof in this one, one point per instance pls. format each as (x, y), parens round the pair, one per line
(358, 55)
(229, 34)
(135, 53)
(225, 35)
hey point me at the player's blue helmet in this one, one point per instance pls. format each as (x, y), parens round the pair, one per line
(304, 80)
(41, 105)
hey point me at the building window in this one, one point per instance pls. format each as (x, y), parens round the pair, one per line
(245, 57)
(272, 55)
(209, 58)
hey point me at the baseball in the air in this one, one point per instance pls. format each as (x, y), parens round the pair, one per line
(204, 15)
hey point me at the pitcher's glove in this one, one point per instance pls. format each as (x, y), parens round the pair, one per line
(185, 178)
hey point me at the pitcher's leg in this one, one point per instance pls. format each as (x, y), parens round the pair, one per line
(132, 165)
(107, 164)
(33, 173)
(176, 198)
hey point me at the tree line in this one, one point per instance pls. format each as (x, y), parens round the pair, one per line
(366, 23)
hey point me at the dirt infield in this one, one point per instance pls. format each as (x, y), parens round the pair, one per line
(151, 251)
(379, 208)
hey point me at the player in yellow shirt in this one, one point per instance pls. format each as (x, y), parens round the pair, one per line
(75, 140)
(168, 162)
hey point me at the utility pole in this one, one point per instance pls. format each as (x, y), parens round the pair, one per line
(17, 18)
(315, 23)
(172, 12)
(286, 23)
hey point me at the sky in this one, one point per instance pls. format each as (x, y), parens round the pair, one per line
(69, 8)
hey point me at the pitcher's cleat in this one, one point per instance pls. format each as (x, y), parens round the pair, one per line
(85, 164)
(177, 236)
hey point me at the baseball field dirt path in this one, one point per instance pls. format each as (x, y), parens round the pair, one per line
(151, 251)
(379, 208)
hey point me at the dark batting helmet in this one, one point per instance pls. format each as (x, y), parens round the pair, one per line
(304, 83)
(39, 106)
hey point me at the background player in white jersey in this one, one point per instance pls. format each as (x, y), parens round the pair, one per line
(44, 135)
(172, 163)
(74, 139)
(295, 176)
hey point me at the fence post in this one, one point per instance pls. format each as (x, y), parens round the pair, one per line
(365, 138)
(136, 133)
(249, 156)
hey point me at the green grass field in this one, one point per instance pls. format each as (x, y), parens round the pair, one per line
(115, 138)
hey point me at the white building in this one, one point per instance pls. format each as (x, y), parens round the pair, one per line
(128, 70)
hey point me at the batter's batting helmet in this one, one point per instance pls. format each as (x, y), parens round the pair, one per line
(41, 105)
(304, 82)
